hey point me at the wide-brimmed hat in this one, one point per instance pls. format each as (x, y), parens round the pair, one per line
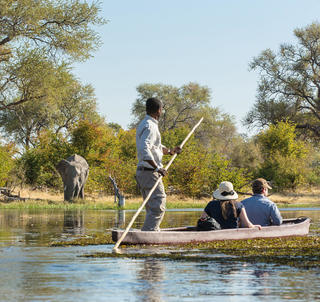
(225, 191)
(259, 184)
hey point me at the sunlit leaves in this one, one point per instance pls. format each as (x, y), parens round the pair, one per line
(289, 83)
(7, 162)
(284, 157)
(36, 38)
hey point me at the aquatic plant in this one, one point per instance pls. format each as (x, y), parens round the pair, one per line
(302, 252)
(96, 239)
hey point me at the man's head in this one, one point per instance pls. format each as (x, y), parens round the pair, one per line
(260, 185)
(154, 107)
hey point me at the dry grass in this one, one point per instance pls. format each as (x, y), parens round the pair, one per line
(306, 197)
(94, 197)
(41, 198)
(310, 197)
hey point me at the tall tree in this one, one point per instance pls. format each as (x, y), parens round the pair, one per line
(183, 108)
(66, 101)
(289, 85)
(47, 31)
(182, 105)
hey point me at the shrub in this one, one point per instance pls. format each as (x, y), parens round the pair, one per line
(284, 157)
(197, 172)
(7, 162)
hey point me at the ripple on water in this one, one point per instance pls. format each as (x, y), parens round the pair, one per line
(32, 271)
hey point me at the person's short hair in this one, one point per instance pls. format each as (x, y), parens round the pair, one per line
(153, 105)
(259, 184)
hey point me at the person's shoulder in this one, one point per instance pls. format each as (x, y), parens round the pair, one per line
(212, 203)
(146, 123)
(149, 122)
(247, 200)
(267, 201)
(239, 204)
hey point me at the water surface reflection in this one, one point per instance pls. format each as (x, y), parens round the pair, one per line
(32, 271)
(42, 226)
(150, 275)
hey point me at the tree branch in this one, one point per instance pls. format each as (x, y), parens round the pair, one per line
(13, 104)
(5, 40)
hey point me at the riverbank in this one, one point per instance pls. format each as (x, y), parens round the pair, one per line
(48, 199)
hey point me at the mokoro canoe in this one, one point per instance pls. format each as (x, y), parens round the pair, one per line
(289, 227)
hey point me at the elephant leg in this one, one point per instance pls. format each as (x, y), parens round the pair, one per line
(68, 192)
(82, 180)
(81, 194)
(76, 191)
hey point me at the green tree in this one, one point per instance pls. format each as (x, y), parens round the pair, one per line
(92, 140)
(289, 85)
(245, 153)
(35, 34)
(184, 106)
(197, 172)
(38, 162)
(7, 162)
(285, 158)
(65, 102)
(122, 161)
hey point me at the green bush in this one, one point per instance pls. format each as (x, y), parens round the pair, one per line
(7, 162)
(39, 162)
(197, 172)
(285, 160)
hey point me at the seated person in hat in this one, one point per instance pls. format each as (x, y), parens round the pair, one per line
(260, 209)
(225, 210)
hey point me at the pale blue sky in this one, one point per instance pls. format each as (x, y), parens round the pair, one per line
(180, 41)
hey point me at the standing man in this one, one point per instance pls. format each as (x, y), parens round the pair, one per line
(260, 209)
(150, 168)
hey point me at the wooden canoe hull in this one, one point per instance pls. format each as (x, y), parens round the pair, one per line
(290, 227)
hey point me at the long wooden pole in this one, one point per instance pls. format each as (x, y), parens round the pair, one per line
(115, 248)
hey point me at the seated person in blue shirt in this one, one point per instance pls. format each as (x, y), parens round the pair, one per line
(225, 210)
(260, 209)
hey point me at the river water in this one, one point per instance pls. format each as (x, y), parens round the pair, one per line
(30, 270)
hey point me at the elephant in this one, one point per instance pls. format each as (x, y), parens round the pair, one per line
(74, 172)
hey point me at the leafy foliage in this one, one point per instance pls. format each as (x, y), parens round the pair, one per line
(62, 101)
(289, 86)
(184, 106)
(197, 172)
(39, 41)
(39, 162)
(7, 162)
(285, 157)
(36, 35)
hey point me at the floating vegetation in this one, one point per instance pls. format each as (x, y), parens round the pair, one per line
(87, 240)
(315, 228)
(170, 256)
(302, 252)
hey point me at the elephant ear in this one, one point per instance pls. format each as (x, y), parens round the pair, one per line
(62, 166)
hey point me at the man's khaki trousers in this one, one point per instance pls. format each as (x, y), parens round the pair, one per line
(156, 205)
